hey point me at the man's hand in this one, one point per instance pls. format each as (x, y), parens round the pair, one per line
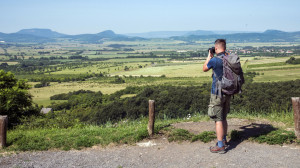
(210, 55)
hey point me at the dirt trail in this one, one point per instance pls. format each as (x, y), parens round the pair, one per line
(159, 152)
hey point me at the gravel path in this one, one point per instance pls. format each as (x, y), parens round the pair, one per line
(161, 154)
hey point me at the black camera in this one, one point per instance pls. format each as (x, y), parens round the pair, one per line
(212, 50)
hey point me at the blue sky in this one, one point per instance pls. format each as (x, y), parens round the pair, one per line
(135, 16)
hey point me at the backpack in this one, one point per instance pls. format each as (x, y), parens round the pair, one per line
(233, 77)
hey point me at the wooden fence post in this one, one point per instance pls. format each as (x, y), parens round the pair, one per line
(296, 108)
(3, 130)
(151, 117)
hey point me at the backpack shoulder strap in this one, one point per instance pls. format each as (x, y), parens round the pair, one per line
(220, 57)
(218, 86)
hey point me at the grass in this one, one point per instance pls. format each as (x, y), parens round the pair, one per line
(42, 95)
(278, 75)
(179, 135)
(78, 137)
(277, 137)
(205, 136)
(284, 117)
(127, 132)
(179, 73)
(273, 69)
(9, 63)
(176, 70)
(81, 136)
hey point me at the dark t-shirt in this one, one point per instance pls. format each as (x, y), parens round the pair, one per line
(217, 65)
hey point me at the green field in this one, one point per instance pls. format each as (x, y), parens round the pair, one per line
(181, 71)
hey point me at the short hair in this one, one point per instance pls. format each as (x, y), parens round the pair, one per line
(221, 42)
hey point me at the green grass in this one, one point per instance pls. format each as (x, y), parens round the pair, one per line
(42, 95)
(205, 136)
(285, 117)
(180, 135)
(272, 69)
(125, 132)
(170, 70)
(129, 132)
(267, 64)
(81, 136)
(278, 75)
(277, 137)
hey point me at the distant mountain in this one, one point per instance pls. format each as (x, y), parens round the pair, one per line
(271, 31)
(23, 38)
(267, 36)
(41, 33)
(107, 33)
(47, 35)
(167, 34)
(199, 33)
(102, 36)
(232, 32)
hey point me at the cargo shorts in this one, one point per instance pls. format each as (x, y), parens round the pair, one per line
(218, 108)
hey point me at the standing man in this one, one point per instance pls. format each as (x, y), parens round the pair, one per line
(219, 106)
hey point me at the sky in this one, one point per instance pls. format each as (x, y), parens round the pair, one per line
(137, 16)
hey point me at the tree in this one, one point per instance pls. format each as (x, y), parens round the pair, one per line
(126, 68)
(15, 101)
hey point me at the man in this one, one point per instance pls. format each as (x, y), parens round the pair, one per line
(219, 106)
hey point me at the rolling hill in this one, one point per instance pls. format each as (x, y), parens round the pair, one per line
(267, 36)
(47, 35)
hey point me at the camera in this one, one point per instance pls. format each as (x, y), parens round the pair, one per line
(212, 50)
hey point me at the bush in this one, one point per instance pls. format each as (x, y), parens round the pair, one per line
(293, 60)
(178, 101)
(118, 80)
(66, 96)
(60, 119)
(15, 101)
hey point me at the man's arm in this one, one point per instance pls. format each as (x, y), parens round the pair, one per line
(205, 68)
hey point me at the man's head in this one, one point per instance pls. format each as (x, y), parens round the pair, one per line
(220, 45)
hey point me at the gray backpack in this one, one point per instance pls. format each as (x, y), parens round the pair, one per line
(233, 78)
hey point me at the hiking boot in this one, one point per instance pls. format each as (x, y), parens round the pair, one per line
(225, 143)
(217, 149)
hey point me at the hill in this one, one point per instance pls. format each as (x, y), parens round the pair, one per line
(23, 38)
(167, 34)
(41, 33)
(47, 35)
(267, 36)
(102, 36)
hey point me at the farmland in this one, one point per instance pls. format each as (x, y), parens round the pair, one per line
(74, 66)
